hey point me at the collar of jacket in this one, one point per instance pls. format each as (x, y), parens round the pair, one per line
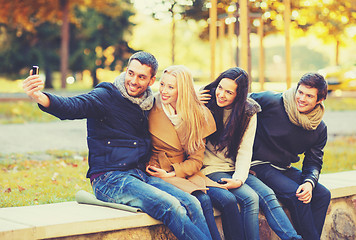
(161, 127)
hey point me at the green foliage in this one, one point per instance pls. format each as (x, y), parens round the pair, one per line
(95, 26)
(96, 31)
(24, 49)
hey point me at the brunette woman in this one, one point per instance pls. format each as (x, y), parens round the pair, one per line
(228, 156)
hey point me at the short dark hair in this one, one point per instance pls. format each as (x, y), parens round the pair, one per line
(315, 80)
(146, 58)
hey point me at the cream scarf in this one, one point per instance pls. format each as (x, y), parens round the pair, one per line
(169, 111)
(145, 102)
(309, 121)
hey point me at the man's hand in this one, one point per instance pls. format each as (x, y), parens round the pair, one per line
(304, 192)
(32, 86)
(204, 96)
(231, 183)
(158, 172)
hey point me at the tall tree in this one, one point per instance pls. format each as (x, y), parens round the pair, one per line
(98, 40)
(329, 21)
(20, 50)
(172, 9)
(23, 15)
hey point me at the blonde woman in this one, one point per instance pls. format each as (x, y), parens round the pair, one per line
(179, 124)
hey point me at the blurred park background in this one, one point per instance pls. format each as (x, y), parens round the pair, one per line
(79, 43)
(87, 41)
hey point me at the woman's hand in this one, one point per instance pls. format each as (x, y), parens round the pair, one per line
(204, 96)
(230, 183)
(159, 172)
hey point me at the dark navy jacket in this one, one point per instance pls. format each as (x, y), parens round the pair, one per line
(279, 141)
(118, 137)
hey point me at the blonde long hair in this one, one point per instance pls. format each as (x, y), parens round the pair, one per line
(189, 108)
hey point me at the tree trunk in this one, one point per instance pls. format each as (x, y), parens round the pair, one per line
(49, 79)
(173, 36)
(95, 78)
(337, 52)
(64, 42)
(237, 51)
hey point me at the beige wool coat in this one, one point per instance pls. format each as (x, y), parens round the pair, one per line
(169, 153)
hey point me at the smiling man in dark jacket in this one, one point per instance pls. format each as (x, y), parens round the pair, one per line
(119, 145)
(291, 124)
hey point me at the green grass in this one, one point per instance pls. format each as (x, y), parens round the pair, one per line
(10, 86)
(339, 155)
(26, 182)
(340, 104)
(22, 112)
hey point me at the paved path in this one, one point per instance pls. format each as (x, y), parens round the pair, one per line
(71, 135)
(39, 137)
(340, 122)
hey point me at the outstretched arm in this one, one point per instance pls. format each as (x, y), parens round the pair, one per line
(32, 86)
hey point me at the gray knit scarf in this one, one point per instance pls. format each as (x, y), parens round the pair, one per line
(145, 102)
(309, 121)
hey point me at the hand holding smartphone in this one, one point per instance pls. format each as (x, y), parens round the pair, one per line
(35, 71)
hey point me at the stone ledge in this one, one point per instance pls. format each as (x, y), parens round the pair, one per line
(340, 184)
(65, 219)
(70, 220)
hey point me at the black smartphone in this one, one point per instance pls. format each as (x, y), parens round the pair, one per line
(222, 182)
(152, 170)
(35, 70)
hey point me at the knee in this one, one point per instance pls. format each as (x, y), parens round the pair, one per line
(252, 200)
(325, 196)
(165, 207)
(269, 198)
(226, 201)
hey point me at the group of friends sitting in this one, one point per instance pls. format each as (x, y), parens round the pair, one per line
(179, 153)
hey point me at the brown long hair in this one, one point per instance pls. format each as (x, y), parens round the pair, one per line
(229, 136)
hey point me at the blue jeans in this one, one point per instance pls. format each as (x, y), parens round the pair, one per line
(252, 195)
(274, 213)
(179, 211)
(226, 203)
(308, 218)
(208, 212)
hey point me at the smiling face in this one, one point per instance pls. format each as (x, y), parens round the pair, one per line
(168, 89)
(138, 78)
(306, 98)
(226, 93)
